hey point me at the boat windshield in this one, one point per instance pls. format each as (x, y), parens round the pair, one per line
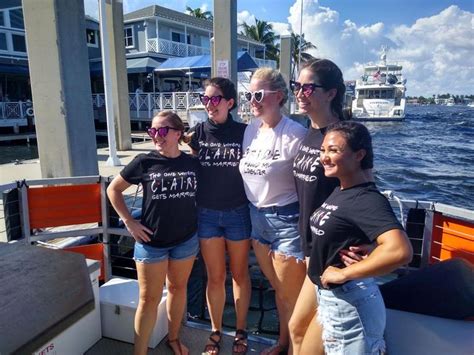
(377, 93)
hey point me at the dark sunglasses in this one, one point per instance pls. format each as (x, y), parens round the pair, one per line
(257, 95)
(215, 100)
(160, 132)
(308, 88)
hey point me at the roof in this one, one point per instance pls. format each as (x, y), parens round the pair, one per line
(202, 63)
(163, 12)
(134, 65)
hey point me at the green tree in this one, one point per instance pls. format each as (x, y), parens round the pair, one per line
(295, 52)
(197, 12)
(262, 32)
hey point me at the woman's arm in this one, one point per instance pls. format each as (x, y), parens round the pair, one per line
(115, 194)
(393, 250)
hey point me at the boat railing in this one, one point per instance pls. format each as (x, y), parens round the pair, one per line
(40, 211)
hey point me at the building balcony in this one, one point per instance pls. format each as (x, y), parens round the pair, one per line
(178, 49)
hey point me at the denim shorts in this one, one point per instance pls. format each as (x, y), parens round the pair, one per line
(147, 254)
(277, 226)
(353, 318)
(233, 224)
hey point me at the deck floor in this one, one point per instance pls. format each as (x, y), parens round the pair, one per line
(193, 338)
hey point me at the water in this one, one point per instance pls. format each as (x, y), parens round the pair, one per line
(427, 157)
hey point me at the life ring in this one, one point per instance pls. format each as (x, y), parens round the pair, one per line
(29, 111)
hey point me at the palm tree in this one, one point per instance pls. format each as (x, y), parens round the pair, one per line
(197, 12)
(262, 32)
(295, 52)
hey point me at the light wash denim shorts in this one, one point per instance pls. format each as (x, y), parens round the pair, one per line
(147, 254)
(277, 226)
(233, 224)
(353, 318)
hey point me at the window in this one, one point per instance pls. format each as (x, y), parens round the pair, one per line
(19, 43)
(3, 41)
(16, 18)
(128, 36)
(176, 37)
(2, 20)
(179, 37)
(91, 36)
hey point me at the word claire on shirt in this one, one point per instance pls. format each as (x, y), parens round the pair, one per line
(258, 160)
(320, 216)
(180, 184)
(307, 164)
(219, 154)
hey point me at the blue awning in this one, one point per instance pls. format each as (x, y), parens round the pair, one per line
(202, 63)
(14, 69)
(134, 65)
(141, 65)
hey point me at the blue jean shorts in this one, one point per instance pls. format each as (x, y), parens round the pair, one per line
(353, 318)
(233, 224)
(277, 227)
(147, 254)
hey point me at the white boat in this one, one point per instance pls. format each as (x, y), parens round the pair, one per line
(380, 92)
(450, 101)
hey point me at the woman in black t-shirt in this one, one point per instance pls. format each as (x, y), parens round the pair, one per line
(224, 220)
(351, 308)
(166, 241)
(320, 93)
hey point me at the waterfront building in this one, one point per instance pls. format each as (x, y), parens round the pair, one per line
(152, 35)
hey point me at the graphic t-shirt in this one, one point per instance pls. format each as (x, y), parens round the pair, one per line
(353, 216)
(312, 186)
(219, 148)
(266, 166)
(169, 195)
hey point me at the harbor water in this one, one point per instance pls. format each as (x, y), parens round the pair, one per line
(429, 156)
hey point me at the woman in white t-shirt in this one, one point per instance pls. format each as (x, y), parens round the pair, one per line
(270, 144)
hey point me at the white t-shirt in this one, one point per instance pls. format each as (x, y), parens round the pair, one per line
(267, 163)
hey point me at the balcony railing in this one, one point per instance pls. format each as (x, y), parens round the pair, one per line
(159, 45)
(15, 110)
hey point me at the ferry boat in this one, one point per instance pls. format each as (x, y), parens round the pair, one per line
(48, 305)
(380, 92)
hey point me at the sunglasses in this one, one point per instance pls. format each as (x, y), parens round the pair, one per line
(215, 100)
(160, 132)
(308, 89)
(257, 95)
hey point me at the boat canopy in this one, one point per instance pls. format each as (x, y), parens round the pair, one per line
(202, 63)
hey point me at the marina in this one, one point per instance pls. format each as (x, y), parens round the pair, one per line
(70, 285)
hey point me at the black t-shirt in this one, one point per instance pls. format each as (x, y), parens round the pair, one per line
(353, 216)
(312, 186)
(219, 148)
(169, 195)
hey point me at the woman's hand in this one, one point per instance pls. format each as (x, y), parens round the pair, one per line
(138, 231)
(333, 275)
(356, 253)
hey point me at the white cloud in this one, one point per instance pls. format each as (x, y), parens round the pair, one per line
(245, 16)
(436, 52)
(281, 28)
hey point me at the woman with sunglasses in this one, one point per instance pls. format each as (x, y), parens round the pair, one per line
(166, 242)
(271, 142)
(319, 91)
(351, 309)
(224, 220)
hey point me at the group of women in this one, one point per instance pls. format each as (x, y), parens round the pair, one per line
(304, 199)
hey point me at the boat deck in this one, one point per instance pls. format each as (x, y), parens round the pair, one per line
(192, 336)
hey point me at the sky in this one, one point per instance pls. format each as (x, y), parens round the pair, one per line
(432, 39)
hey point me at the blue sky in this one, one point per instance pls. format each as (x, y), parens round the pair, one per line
(432, 39)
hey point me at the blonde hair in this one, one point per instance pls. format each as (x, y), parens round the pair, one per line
(274, 79)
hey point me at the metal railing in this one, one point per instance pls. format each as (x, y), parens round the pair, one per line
(159, 45)
(15, 110)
